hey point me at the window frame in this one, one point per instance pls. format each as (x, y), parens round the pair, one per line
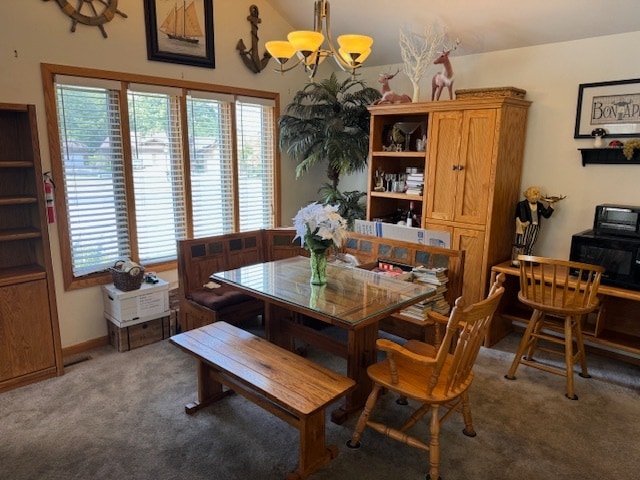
(49, 73)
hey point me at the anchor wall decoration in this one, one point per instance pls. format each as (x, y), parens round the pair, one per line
(251, 58)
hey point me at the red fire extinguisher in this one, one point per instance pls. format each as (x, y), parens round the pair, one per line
(48, 197)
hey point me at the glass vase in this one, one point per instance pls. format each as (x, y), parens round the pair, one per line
(318, 262)
(316, 297)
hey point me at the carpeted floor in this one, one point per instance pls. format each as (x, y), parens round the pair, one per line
(120, 416)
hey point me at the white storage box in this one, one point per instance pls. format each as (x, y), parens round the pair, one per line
(434, 238)
(150, 301)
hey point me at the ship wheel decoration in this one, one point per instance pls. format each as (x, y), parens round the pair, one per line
(94, 13)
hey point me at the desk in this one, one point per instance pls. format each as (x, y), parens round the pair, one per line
(353, 299)
(614, 329)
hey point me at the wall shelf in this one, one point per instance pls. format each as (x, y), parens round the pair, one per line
(607, 156)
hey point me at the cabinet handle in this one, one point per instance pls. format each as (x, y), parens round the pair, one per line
(460, 167)
(454, 167)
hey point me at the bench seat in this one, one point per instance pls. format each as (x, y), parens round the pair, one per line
(218, 298)
(198, 258)
(294, 389)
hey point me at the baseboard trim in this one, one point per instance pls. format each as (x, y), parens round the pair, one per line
(85, 346)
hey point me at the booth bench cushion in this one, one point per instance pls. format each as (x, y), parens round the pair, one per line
(218, 298)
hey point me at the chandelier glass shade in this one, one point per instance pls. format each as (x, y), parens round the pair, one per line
(307, 46)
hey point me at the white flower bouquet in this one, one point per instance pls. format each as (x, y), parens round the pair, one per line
(320, 227)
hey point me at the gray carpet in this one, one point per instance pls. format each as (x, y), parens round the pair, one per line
(121, 416)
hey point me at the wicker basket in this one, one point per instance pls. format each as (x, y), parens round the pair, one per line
(127, 281)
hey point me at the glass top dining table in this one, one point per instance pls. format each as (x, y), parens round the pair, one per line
(353, 299)
(350, 297)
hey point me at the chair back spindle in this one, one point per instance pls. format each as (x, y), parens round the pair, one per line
(558, 285)
(466, 330)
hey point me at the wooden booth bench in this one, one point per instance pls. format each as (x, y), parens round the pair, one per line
(294, 389)
(199, 258)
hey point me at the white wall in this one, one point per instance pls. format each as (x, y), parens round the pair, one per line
(32, 32)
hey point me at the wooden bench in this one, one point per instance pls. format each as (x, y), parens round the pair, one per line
(292, 388)
(367, 249)
(200, 257)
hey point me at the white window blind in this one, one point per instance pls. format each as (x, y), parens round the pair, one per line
(92, 164)
(256, 162)
(124, 162)
(210, 151)
(156, 149)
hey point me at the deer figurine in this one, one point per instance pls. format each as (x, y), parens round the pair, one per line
(388, 95)
(445, 77)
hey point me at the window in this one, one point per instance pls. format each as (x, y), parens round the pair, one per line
(211, 168)
(144, 164)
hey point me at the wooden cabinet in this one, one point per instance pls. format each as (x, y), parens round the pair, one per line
(29, 334)
(472, 164)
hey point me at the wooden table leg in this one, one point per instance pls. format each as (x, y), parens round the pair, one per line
(361, 353)
(313, 451)
(209, 389)
(274, 318)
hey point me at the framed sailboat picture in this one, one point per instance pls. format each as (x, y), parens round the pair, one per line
(180, 31)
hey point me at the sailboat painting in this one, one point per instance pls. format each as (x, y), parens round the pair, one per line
(182, 23)
(180, 31)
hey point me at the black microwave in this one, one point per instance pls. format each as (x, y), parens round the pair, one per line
(620, 257)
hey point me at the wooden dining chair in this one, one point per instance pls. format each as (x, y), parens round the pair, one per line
(561, 293)
(430, 377)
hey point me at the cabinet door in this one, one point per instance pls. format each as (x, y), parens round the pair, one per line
(460, 159)
(474, 170)
(25, 330)
(443, 158)
(472, 242)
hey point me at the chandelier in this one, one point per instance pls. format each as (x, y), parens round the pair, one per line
(306, 45)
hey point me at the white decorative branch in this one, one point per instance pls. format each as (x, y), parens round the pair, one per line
(419, 51)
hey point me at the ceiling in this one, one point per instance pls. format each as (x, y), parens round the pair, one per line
(481, 25)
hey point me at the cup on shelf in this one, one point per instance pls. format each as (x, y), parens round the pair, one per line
(399, 186)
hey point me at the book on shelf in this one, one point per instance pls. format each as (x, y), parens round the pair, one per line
(437, 277)
(432, 275)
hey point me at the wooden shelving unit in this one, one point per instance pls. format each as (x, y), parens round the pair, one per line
(30, 342)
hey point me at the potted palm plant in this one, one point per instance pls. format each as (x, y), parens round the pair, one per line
(328, 121)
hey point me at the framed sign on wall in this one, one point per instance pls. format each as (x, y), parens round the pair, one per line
(613, 106)
(180, 31)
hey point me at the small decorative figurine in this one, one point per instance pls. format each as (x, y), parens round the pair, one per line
(379, 176)
(388, 95)
(598, 134)
(528, 215)
(445, 77)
